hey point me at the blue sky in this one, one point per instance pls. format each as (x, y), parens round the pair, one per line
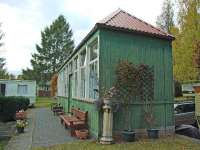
(23, 20)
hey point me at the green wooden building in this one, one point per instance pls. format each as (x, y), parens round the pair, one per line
(93, 62)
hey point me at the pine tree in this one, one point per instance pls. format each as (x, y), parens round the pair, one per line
(56, 45)
(165, 20)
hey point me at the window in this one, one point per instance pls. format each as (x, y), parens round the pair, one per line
(75, 91)
(22, 89)
(93, 81)
(70, 67)
(83, 58)
(83, 82)
(76, 63)
(189, 108)
(93, 51)
(93, 70)
(83, 73)
(2, 89)
(75, 84)
(66, 81)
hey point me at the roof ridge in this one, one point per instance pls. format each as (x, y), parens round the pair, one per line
(115, 14)
(148, 24)
(111, 16)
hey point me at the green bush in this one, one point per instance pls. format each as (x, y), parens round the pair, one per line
(10, 104)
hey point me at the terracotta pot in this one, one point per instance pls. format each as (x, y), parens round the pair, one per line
(20, 115)
(196, 89)
(82, 134)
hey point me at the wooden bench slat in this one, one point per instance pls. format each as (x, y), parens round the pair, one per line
(78, 120)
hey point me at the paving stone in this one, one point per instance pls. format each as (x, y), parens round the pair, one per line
(48, 130)
(43, 130)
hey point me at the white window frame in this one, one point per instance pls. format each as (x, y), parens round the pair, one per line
(25, 90)
(92, 62)
(76, 71)
(84, 66)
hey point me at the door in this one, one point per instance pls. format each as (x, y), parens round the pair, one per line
(70, 93)
(2, 89)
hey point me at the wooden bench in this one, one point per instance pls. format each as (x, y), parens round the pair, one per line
(77, 121)
(57, 110)
(54, 105)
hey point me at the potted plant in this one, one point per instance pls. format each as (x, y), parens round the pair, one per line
(146, 91)
(20, 125)
(126, 91)
(152, 132)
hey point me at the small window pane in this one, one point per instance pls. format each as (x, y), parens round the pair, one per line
(93, 51)
(22, 89)
(70, 67)
(83, 82)
(93, 81)
(75, 84)
(76, 63)
(83, 58)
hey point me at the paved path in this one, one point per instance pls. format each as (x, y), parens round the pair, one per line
(23, 141)
(48, 130)
(44, 129)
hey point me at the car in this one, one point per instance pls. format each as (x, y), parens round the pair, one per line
(184, 113)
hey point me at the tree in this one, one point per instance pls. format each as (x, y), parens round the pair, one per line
(197, 56)
(1, 36)
(54, 84)
(165, 20)
(56, 45)
(12, 76)
(3, 72)
(187, 37)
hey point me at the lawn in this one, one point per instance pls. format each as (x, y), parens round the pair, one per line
(3, 143)
(44, 102)
(170, 143)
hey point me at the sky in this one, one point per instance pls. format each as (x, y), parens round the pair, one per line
(23, 20)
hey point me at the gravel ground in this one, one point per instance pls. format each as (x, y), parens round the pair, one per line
(48, 130)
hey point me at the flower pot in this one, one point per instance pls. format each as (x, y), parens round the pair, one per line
(153, 133)
(82, 134)
(196, 89)
(128, 135)
(20, 129)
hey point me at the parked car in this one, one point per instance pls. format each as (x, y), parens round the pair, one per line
(184, 113)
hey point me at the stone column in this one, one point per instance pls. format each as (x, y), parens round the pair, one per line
(107, 124)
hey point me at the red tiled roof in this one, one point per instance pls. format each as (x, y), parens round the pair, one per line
(124, 21)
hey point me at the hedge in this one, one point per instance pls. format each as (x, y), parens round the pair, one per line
(10, 104)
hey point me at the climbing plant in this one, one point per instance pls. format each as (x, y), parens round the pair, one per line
(134, 82)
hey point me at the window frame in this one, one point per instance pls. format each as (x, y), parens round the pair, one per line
(86, 66)
(22, 85)
(93, 61)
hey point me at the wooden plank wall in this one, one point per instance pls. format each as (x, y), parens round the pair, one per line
(115, 46)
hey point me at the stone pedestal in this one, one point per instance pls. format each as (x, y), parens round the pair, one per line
(107, 125)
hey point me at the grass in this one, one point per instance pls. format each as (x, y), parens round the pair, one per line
(44, 102)
(3, 143)
(169, 143)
